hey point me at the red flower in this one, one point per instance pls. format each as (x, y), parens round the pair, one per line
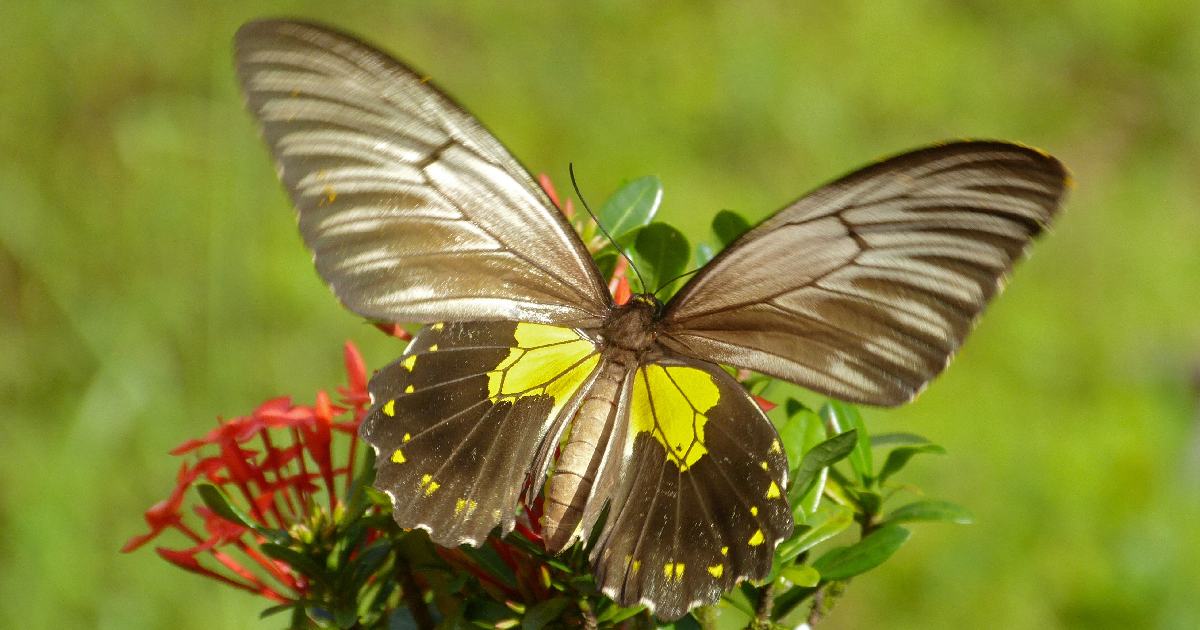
(276, 463)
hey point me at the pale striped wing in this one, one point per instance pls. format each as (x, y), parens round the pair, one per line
(413, 211)
(863, 289)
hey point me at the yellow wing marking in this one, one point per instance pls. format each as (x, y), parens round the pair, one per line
(753, 510)
(548, 360)
(408, 390)
(757, 539)
(410, 362)
(389, 408)
(669, 403)
(398, 457)
(673, 571)
(773, 491)
(716, 570)
(429, 484)
(465, 505)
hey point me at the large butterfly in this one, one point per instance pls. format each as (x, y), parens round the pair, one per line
(528, 375)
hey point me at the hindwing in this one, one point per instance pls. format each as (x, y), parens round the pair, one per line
(701, 504)
(458, 419)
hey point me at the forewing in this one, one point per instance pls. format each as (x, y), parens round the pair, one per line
(863, 289)
(702, 504)
(413, 211)
(457, 421)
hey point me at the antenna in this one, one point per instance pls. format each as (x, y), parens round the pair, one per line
(668, 282)
(583, 202)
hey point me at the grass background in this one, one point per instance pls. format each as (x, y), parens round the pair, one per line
(151, 277)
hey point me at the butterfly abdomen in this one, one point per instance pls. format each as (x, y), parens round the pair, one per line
(580, 460)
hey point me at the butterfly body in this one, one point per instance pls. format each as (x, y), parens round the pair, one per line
(528, 379)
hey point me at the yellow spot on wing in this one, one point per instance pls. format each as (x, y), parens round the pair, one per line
(673, 571)
(429, 484)
(407, 437)
(757, 539)
(773, 491)
(389, 408)
(753, 510)
(438, 327)
(409, 362)
(465, 505)
(669, 403)
(433, 348)
(637, 564)
(724, 551)
(764, 465)
(716, 570)
(408, 390)
(775, 447)
(398, 457)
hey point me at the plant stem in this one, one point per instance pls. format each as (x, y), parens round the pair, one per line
(766, 601)
(412, 595)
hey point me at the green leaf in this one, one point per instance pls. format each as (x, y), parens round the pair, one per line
(606, 261)
(801, 575)
(897, 439)
(819, 457)
(897, 459)
(219, 503)
(844, 563)
(632, 206)
(490, 561)
(297, 561)
(728, 225)
(931, 510)
(739, 599)
(543, 613)
(845, 416)
(827, 522)
(661, 252)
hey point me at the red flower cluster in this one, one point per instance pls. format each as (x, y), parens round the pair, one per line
(280, 481)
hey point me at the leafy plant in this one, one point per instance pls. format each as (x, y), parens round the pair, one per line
(286, 509)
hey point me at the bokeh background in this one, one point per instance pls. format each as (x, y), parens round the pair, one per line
(151, 277)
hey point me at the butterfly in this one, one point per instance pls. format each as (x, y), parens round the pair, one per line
(527, 378)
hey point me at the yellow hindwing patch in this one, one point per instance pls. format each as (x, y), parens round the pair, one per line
(549, 360)
(669, 403)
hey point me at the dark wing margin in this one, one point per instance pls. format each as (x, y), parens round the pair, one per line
(457, 421)
(865, 288)
(702, 503)
(414, 212)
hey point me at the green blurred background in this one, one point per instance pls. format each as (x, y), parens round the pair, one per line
(151, 276)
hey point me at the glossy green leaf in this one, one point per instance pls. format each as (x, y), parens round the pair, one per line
(489, 560)
(897, 459)
(299, 562)
(728, 225)
(898, 439)
(930, 510)
(826, 523)
(632, 206)
(846, 416)
(819, 457)
(661, 253)
(216, 501)
(544, 613)
(801, 575)
(846, 562)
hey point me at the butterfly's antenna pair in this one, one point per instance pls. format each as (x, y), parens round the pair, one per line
(583, 202)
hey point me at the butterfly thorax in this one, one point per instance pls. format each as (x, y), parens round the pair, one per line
(633, 326)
